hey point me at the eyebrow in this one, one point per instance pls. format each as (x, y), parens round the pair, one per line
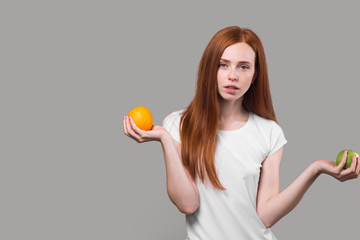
(222, 59)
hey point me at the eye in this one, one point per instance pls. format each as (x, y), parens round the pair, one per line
(223, 65)
(244, 67)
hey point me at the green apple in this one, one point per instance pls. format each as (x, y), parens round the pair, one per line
(350, 155)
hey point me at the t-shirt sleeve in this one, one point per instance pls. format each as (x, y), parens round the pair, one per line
(277, 138)
(171, 123)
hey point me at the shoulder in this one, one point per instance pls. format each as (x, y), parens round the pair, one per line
(263, 123)
(171, 123)
(266, 126)
(173, 117)
(271, 132)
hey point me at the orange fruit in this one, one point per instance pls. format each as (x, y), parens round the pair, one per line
(142, 117)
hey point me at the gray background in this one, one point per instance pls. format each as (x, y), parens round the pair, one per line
(70, 71)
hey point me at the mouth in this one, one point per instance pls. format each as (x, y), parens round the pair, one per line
(232, 87)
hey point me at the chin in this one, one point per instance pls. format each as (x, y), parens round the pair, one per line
(230, 98)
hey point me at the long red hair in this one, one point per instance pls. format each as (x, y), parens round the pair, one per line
(199, 122)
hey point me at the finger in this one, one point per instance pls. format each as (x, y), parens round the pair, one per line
(124, 126)
(127, 125)
(131, 131)
(343, 161)
(352, 166)
(353, 163)
(357, 166)
(350, 172)
(135, 127)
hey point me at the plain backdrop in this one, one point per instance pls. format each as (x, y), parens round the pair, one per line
(70, 71)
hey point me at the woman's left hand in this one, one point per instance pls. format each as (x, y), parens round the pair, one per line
(329, 167)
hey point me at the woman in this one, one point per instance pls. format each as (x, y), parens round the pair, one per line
(223, 152)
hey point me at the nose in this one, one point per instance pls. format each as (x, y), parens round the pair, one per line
(233, 75)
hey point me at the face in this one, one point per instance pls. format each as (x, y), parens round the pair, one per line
(236, 71)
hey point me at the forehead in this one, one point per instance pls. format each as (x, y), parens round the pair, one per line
(239, 52)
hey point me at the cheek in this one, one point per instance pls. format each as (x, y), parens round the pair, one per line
(220, 77)
(246, 81)
(250, 76)
(246, 76)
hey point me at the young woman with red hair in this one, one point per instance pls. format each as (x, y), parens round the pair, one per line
(223, 152)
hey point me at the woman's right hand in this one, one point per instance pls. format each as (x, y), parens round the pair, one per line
(182, 190)
(156, 133)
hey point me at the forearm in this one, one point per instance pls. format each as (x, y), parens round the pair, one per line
(281, 204)
(181, 190)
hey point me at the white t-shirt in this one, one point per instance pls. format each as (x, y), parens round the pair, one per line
(231, 214)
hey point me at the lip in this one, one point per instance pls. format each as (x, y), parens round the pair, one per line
(229, 90)
(231, 85)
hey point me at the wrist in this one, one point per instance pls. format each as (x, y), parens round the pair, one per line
(316, 168)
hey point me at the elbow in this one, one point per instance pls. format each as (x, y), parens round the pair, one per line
(186, 203)
(190, 209)
(267, 220)
(268, 224)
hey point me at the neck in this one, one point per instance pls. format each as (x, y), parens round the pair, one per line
(232, 111)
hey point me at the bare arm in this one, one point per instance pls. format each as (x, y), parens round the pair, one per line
(181, 189)
(272, 204)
